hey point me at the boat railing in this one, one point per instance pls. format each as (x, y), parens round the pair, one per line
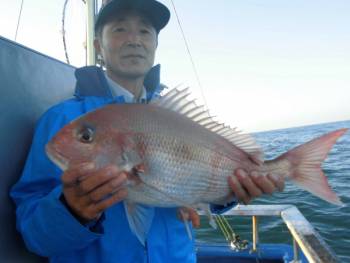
(304, 235)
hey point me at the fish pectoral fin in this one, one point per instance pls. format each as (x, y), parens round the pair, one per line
(130, 160)
(206, 209)
(140, 218)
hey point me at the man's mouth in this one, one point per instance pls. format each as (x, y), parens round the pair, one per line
(134, 56)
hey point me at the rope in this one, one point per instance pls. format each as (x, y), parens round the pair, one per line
(19, 19)
(235, 241)
(190, 55)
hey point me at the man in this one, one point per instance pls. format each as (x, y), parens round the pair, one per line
(78, 216)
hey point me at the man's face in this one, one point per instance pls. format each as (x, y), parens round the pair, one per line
(128, 44)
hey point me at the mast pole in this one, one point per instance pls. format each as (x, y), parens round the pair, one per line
(91, 9)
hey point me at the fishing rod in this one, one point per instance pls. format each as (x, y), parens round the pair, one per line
(91, 10)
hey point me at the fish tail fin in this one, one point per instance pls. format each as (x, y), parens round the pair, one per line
(306, 161)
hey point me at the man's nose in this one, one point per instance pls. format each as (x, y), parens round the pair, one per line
(134, 38)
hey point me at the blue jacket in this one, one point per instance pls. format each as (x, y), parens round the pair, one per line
(47, 226)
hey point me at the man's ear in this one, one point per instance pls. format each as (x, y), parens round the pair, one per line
(97, 45)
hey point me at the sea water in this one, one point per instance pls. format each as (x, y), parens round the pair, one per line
(330, 221)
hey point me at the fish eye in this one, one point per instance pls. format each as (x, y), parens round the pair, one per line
(86, 135)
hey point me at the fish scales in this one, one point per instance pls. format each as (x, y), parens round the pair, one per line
(178, 175)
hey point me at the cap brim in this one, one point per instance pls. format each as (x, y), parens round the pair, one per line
(156, 12)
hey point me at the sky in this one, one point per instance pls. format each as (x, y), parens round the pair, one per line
(262, 65)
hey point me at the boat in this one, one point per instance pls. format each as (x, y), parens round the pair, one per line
(22, 103)
(30, 83)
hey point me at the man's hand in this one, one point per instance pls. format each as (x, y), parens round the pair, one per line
(245, 187)
(88, 192)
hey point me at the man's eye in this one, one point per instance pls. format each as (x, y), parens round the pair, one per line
(119, 29)
(145, 31)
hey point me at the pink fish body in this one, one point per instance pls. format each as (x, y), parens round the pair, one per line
(179, 155)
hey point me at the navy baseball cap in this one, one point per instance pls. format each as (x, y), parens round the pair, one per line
(156, 12)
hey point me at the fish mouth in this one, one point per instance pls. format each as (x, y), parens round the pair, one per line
(56, 157)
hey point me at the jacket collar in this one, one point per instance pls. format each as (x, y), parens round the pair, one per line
(91, 81)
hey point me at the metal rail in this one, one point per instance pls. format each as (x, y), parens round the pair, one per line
(304, 235)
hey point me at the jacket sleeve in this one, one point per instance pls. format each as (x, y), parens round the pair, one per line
(46, 225)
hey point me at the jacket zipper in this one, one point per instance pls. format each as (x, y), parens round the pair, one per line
(146, 253)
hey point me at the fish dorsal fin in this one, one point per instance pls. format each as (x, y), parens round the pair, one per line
(176, 100)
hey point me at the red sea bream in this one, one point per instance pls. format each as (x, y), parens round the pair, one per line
(179, 156)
